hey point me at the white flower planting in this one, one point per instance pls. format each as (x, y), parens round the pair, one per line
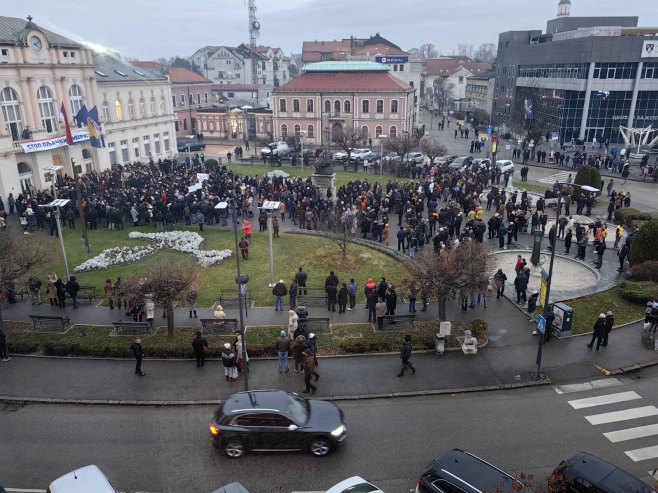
(180, 241)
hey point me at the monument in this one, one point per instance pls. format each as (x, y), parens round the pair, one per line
(324, 177)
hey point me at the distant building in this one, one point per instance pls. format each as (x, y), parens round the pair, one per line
(363, 96)
(479, 92)
(444, 81)
(247, 93)
(189, 92)
(228, 121)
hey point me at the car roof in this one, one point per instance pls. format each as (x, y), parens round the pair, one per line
(82, 480)
(601, 472)
(476, 473)
(256, 400)
(350, 484)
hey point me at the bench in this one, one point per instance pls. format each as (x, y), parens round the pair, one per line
(227, 296)
(43, 323)
(133, 328)
(312, 296)
(399, 322)
(85, 293)
(210, 326)
(315, 324)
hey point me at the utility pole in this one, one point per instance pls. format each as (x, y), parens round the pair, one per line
(254, 33)
(78, 196)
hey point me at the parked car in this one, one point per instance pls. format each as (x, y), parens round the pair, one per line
(82, 480)
(391, 157)
(587, 473)
(341, 155)
(464, 472)
(355, 484)
(359, 155)
(481, 163)
(277, 148)
(505, 165)
(447, 159)
(414, 157)
(460, 162)
(190, 146)
(267, 420)
(232, 488)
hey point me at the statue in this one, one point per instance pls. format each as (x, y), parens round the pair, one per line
(324, 164)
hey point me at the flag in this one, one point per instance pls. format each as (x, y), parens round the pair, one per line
(94, 128)
(67, 126)
(81, 116)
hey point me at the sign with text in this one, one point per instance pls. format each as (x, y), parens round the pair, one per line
(54, 143)
(391, 59)
(650, 49)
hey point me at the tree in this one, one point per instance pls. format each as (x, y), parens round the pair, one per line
(343, 223)
(486, 53)
(347, 139)
(644, 244)
(18, 255)
(432, 147)
(462, 270)
(167, 284)
(177, 61)
(427, 50)
(583, 177)
(465, 50)
(442, 93)
(401, 146)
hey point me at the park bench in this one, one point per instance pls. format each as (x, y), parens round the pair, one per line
(399, 322)
(315, 324)
(45, 323)
(312, 296)
(86, 293)
(231, 296)
(211, 326)
(133, 328)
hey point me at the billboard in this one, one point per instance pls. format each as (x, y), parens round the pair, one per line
(527, 109)
(391, 59)
(650, 49)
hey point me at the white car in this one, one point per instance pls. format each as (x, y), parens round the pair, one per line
(480, 163)
(505, 165)
(82, 480)
(414, 157)
(360, 154)
(354, 484)
(275, 147)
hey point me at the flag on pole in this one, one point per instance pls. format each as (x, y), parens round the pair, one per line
(67, 126)
(94, 128)
(81, 116)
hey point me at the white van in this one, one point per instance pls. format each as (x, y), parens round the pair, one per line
(84, 480)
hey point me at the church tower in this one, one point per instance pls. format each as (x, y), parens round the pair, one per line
(564, 8)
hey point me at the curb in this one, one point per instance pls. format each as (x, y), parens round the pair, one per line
(212, 402)
(627, 369)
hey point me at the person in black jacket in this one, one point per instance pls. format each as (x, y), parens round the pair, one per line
(342, 298)
(200, 346)
(599, 331)
(391, 300)
(332, 294)
(521, 285)
(72, 288)
(138, 353)
(405, 356)
(371, 301)
(301, 278)
(382, 288)
(230, 362)
(609, 323)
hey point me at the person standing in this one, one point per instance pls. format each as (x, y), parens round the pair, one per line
(293, 323)
(243, 245)
(230, 361)
(4, 356)
(309, 370)
(499, 282)
(191, 298)
(600, 250)
(351, 291)
(312, 345)
(371, 304)
(34, 286)
(599, 331)
(282, 349)
(301, 277)
(391, 300)
(405, 356)
(52, 290)
(298, 348)
(380, 311)
(609, 323)
(61, 292)
(200, 346)
(293, 291)
(413, 296)
(532, 306)
(332, 295)
(342, 298)
(72, 288)
(521, 285)
(279, 291)
(138, 353)
(108, 290)
(567, 241)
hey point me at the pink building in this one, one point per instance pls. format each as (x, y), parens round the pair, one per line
(358, 95)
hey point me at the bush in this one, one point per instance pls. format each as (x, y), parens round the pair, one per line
(644, 244)
(626, 216)
(646, 271)
(211, 163)
(595, 180)
(583, 177)
(638, 292)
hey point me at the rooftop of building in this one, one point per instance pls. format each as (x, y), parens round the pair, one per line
(345, 66)
(485, 76)
(181, 75)
(112, 69)
(312, 51)
(450, 66)
(14, 30)
(344, 82)
(147, 64)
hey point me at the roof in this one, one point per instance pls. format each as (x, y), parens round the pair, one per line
(344, 82)
(181, 75)
(146, 64)
(112, 69)
(379, 49)
(485, 76)
(234, 87)
(259, 399)
(13, 31)
(450, 66)
(347, 66)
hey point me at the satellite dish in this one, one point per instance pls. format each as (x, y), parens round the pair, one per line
(255, 25)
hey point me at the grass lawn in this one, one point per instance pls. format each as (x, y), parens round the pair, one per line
(531, 186)
(587, 309)
(317, 255)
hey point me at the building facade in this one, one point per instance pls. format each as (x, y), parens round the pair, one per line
(444, 81)
(245, 93)
(479, 92)
(582, 79)
(228, 121)
(362, 96)
(190, 92)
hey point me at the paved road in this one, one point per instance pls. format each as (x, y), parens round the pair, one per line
(390, 440)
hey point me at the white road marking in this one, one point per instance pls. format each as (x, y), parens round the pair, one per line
(604, 399)
(632, 433)
(634, 413)
(22, 490)
(594, 384)
(561, 177)
(643, 453)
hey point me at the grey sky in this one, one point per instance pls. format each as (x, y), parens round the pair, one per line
(148, 29)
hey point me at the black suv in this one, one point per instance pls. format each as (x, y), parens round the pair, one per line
(461, 472)
(584, 473)
(269, 420)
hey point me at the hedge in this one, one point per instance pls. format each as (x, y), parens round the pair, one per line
(638, 292)
(628, 215)
(646, 271)
(211, 163)
(644, 244)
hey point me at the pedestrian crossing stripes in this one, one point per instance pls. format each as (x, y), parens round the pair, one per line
(632, 433)
(604, 399)
(625, 415)
(560, 177)
(594, 384)
(645, 453)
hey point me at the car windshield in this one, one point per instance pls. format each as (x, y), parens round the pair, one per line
(297, 409)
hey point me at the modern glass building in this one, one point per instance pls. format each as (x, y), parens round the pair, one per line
(583, 78)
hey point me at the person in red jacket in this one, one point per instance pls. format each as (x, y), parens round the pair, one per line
(246, 229)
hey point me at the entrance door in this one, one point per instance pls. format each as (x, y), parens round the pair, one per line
(26, 185)
(594, 133)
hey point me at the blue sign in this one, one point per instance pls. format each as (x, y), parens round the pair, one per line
(490, 129)
(391, 59)
(541, 324)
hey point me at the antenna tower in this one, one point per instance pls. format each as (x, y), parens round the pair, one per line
(254, 33)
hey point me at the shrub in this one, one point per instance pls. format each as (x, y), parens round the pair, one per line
(583, 177)
(595, 179)
(211, 163)
(638, 292)
(644, 244)
(646, 271)
(628, 216)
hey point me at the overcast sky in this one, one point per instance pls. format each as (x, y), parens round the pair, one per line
(148, 29)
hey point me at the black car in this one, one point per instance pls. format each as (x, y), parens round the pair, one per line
(460, 162)
(587, 473)
(269, 420)
(191, 146)
(461, 471)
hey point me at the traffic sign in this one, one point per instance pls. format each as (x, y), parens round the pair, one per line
(490, 129)
(541, 324)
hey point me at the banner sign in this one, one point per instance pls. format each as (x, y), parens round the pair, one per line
(391, 59)
(650, 49)
(55, 142)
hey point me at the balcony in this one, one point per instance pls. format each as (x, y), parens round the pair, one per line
(337, 115)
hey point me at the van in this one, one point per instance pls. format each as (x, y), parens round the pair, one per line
(83, 480)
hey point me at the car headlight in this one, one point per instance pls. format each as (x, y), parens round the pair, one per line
(339, 431)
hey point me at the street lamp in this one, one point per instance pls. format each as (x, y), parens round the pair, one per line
(381, 154)
(270, 207)
(301, 143)
(549, 280)
(241, 280)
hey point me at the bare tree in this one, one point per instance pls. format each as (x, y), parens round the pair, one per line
(18, 255)
(343, 223)
(442, 93)
(455, 271)
(347, 139)
(428, 50)
(465, 50)
(485, 53)
(401, 146)
(432, 147)
(166, 284)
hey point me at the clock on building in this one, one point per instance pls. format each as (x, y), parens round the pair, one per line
(35, 43)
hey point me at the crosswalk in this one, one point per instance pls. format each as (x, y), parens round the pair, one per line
(559, 177)
(616, 408)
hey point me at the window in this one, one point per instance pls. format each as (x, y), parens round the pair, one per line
(156, 142)
(184, 123)
(75, 99)
(142, 108)
(394, 106)
(198, 98)
(378, 132)
(47, 109)
(173, 100)
(309, 106)
(393, 132)
(176, 125)
(445, 487)
(113, 152)
(118, 110)
(284, 130)
(298, 131)
(147, 145)
(337, 107)
(295, 105)
(86, 154)
(11, 111)
(461, 79)
(327, 106)
(124, 151)
(309, 132)
(402, 70)
(347, 106)
(23, 168)
(365, 132)
(282, 106)
(152, 106)
(131, 109)
(253, 420)
(5, 52)
(106, 111)
(380, 106)
(136, 147)
(165, 139)
(395, 68)
(205, 97)
(182, 99)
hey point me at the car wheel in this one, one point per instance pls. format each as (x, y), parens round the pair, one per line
(320, 447)
(234, 449)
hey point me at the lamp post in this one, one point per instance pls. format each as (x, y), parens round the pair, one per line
(78, 196)
(270, 207)
(301, 143)
(381, 154)
(241, 281)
